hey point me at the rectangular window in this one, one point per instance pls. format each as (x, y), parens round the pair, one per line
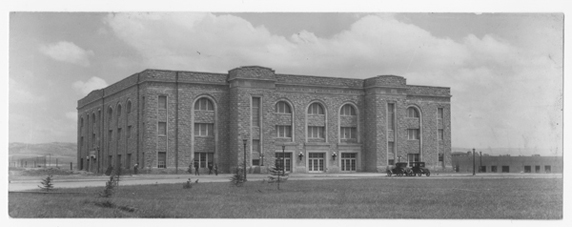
(483, 169)
(255, 152)
(441, 157)
(547, 169)
(256, 111)
(110, 135)
(129, 131)
(204, 129)
(162, 128)
(162, 160)
(527, 169)
(348, 132)
(315, 132)
(493, 169)
(119, 161)
(349, 161)
(439, 113)
(110, 160)
(128, 161)
(93, 140)
(283, 131)
(162, 102)
(391, 116)
(440, 134)
(537, 169)
(391, 150)
(81, 143)
(413, 134)
(203, 159)
(413, 157)
(505, 169)
(118, 134)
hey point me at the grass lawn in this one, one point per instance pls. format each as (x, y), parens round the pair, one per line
(426, 198)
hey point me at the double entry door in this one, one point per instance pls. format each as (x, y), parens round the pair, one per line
(283, 160)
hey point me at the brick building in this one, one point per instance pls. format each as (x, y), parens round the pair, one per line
(166, 120)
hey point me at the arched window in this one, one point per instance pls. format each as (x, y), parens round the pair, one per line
(129, 107)
(118, 110)
(110, 115)
(316, 108)
(348, 110)
(412, 112)
(283, 107)
(204, 104)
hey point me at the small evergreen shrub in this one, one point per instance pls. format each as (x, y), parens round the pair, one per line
(237, 179)
(47, 184)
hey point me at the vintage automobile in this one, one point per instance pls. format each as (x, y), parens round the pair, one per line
(399, 169)
(419, 169)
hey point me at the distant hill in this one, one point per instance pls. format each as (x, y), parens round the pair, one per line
(63, 152)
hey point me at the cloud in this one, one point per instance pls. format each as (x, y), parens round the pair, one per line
(90, 85)
(21, 93)
(67, 52)
(494, 82)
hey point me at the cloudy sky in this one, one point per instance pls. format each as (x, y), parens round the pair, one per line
(504, 70)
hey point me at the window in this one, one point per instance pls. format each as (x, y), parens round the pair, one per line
(348, 132)
(81, 142)
(118, 112)
(109, 116)
(128, 161)
(283, 107)
(413, 157)
(128, 107)
(440, 134)
(204, 129)
(256, 111)
(81, 126)
(505, 169)
(547, 169)
(283, 131)
(493, 169)
(119, 161)
(537, 169)
(483, 169)
(315, 108)
(348, 110)
(204, 104)
(439, 113)
(315, 132)
(110, 135)
(93, 140)
(129, 131)
(162, 128)
(162, 102)
(527, 169)
(412, 112)
(391, 161)
(118, 134)
(441, 157)
(391, 116)
(316, 162)
(110, 160)
(162, 160)
(349, 161)
(413, 134)
(256, 152)
(203, 159)
(283, 161)
(93, 121)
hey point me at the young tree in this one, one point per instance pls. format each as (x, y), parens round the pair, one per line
(277, 176)
(47, 184)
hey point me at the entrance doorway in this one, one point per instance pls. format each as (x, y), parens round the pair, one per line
(283, 161)
(316, 162)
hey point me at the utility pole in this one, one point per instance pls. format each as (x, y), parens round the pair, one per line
(473, 161)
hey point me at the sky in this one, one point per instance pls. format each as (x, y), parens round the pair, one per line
(504, 69)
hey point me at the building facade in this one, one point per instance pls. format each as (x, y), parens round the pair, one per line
(506, 164)
(167, 120)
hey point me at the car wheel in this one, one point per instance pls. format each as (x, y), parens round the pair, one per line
(428, 173)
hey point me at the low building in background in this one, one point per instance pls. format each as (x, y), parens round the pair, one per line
(171, 121)
(463, 162)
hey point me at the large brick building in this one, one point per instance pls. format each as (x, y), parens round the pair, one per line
(166, 120)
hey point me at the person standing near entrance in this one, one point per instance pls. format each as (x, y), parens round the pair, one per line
(135, 168)
(197, 168)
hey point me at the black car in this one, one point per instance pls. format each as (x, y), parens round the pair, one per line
(419, 169)
(399, 169)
